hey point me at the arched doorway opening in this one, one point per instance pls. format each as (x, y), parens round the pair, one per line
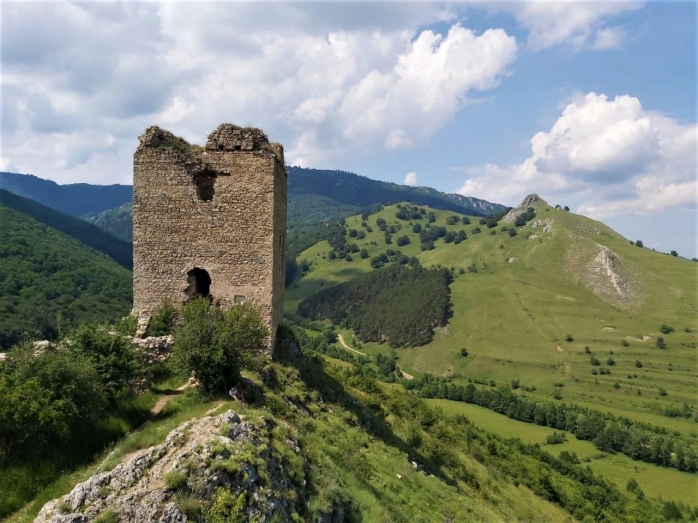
(198, 284)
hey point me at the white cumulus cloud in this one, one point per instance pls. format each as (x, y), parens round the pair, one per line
(572, 23)
(411, 178)
(327, 80)
(612, 156)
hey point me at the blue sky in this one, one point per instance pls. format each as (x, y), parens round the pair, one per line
(591, 105)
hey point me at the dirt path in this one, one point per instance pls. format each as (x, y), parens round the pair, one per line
(407, 376)
(344, 344)
(157, 408)
(341, 340)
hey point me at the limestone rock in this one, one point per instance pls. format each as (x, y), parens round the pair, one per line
(199, 453)
(155, 349)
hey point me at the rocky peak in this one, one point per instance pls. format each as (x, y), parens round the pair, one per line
(532, 200)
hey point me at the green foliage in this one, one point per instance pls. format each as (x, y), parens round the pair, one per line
(226, 507)
(556, 438)
(662, 391)
(364, 254)
(525, 217)
(399, 304)
(128, 325)
(625, 343)
(660, 343)
(464, 352)
(111, 356)
(215, 344)
(46, 400)
(674, 253)
(512, 232)
(50, 282)
(163, 320)
(639, 243)
(610, 362)
(569, 337)
(666, 329)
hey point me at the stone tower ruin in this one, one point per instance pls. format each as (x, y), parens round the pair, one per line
(209, 221)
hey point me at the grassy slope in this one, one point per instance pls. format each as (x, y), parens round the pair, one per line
(367, 468)
(513, 317)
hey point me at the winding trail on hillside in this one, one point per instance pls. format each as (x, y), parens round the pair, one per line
(344, 344)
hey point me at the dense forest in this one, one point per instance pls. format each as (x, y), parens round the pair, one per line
(49, 282)
(398, 304)
(117, 249)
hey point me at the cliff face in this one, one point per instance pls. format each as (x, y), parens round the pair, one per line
(205, 465)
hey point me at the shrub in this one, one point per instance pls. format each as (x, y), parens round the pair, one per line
(610, 362)
(504, 228)
(569, 337)
(660, 343)
(215, 344)
(417, 227)
(332, 255)
(674, 253)
(639, 243)
(594, 361)
(625, 343)
(512, 232)
(127, 325)
(638, 364)
(662, 392)
(594, 372)
(353, 233)
(364, 254)
(616, 385)
(111, 356)
(557, 394)
(226, 507)
(493, 232)
(556, 438)
(163, 319)
(587, 350)
(403, 240)
(666, 329)
(567, 208)
(348, 257)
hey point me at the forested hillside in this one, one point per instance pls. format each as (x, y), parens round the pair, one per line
(398, 305)
(117, 249)
(49, 281)
(118, 222)
(75, 199)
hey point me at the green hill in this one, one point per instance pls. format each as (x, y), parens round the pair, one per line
(118, 222)
(50, 281)
(526, 307)
(75, 199)
(117, 249)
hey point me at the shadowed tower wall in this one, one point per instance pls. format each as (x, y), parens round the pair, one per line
(209, 221)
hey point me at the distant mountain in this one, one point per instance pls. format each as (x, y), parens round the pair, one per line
(349, 189)
(50, 281)
(92, 236)
(314, 197)
(117, 221)
(75, 199)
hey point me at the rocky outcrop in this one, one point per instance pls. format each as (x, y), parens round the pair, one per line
(606, 279)
(202, 460)
(546, 224)
(155, 349)
(532, 200)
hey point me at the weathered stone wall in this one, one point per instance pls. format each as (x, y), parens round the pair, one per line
(219, 209)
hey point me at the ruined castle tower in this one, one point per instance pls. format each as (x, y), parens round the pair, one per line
(209, 221)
